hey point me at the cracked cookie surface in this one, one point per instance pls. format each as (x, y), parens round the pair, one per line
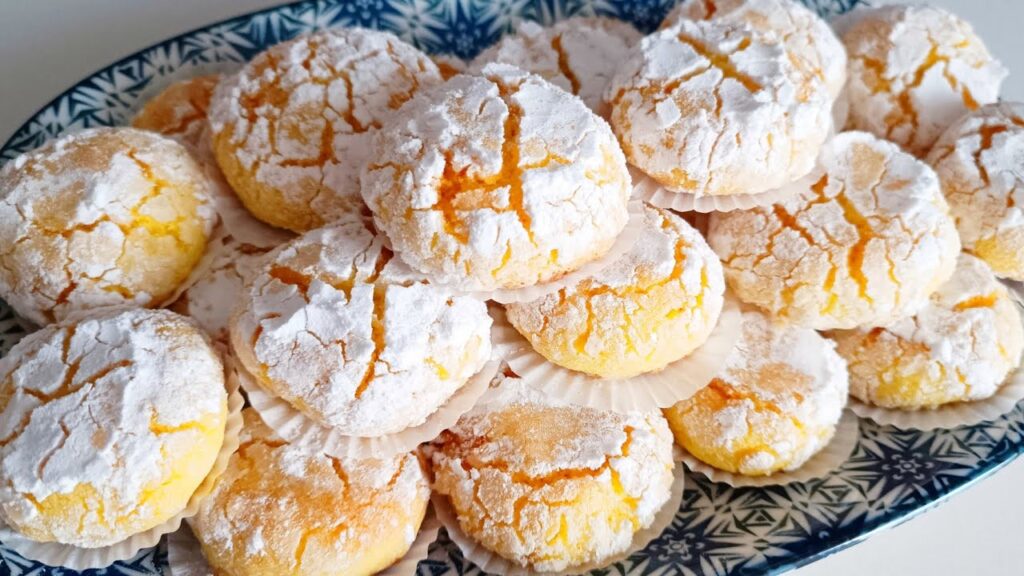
(102, 217)
(866, 239)
(352, 338)
(578, 54)
(714, 108)
(107, 426)
(913, 71)
(979, 161)
(653, 306)
(499, 181)
(278, 509)
(958, 348)
(553, 487)
(179, 111)
(776, 402)
(811, 45)
(292, 129)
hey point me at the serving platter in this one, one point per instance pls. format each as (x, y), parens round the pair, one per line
(891, 475)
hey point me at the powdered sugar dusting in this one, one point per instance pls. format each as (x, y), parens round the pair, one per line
(913, 71)
(775, 403)
(864, 240)
(279, 508)
(102, 217)
(292, 129)
(211, 300)
(812, 46)
(578, 54)
(352, 338)
(713, 108)
(501, 181)
(651, 307)
(104, 409)
(980, 162)
(960, 347)
(518, 473)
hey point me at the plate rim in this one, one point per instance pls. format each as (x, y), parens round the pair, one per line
(784, 563)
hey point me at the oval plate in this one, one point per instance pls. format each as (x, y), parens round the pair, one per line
(891, 476)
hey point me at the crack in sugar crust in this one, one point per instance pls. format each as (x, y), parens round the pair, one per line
(292, 129)
(774, 405)
(102, 217)
(353, 339)
(579, 54)
(711, 108)
(107, 426)
(179, 111)
(500, 181)
(449, 65)
(958, 348)
(650, 308)
(280, 510)
(211, 299)
(980, 162)
(865, 240)
(554, 487)
(811, 45)
(915, 70)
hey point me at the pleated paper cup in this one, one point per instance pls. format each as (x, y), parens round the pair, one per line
(492, 563)
(674, 383)
(829, 458)
(652, 192)
(297, 428)
(77, 558)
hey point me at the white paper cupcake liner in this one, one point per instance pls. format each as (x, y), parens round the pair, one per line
(185, 556)
(950, 416)
(652, 192)
(674, 383)
(297, 428)
(840, 112)
(491, 563)
(76, 558)
(829, 458)
(623, 243)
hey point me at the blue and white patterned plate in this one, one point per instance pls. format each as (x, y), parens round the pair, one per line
(891, 475)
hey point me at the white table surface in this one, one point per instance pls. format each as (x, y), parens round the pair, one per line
(46, 45)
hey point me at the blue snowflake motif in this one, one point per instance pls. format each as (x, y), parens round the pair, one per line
(717, 530)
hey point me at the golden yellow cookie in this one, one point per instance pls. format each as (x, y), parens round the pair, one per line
(812, 46)
(179, 111)
(349, 336)
(713, 108)
(553, 487)
(108, 216)
(279, 509)
(774, 405)
(579, 54)
(497, 181)
(109, 426)
(864, 241)
(913, 71)
(653, 306)
(958, 348)
(979, 161)
(292, 128)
